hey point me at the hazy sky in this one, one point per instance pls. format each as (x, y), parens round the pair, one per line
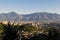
(29, 6)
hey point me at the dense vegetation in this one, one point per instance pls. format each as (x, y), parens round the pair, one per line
(10, 32)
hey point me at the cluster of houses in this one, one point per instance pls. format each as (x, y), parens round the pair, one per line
(27, 34)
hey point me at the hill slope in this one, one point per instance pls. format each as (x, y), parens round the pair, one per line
(38, 16)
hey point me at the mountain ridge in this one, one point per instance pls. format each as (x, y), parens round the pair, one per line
(37, 16)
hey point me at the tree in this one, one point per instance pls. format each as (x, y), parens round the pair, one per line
(30, 28)
(53, 34)
(1, 30)
(9, 33)
(39, 37)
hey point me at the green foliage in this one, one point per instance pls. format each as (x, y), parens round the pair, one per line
(1, 30)
(9, 33)
(29, 27)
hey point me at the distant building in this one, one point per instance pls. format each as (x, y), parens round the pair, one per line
(4, 22)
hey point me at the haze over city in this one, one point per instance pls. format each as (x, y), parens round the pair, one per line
(30, 6)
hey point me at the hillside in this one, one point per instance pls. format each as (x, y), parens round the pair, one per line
(38, 16)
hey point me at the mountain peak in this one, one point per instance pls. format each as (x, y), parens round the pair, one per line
(37, 16)
(12, 13)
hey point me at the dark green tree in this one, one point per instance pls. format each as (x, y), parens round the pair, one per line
(9, 32)
(53, 34)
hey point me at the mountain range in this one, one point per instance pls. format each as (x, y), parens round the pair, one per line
(37, 16)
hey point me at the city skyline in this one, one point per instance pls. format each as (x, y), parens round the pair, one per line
(29, 6)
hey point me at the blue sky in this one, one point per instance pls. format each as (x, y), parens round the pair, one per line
(29, 6)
